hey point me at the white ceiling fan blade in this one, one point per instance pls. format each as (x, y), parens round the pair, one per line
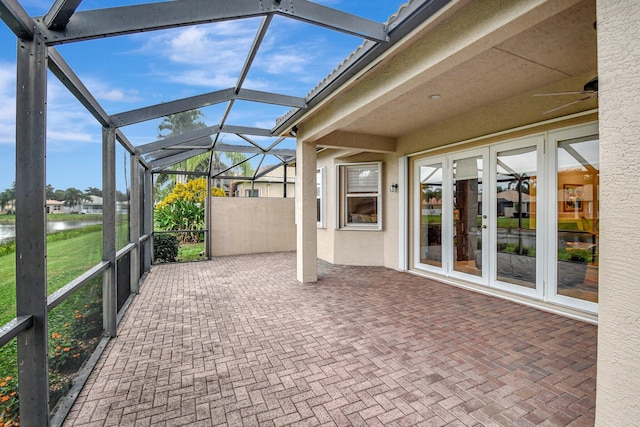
(569, 103)
(582, 92)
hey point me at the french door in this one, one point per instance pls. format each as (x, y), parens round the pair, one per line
(520, 216)
(476, 216)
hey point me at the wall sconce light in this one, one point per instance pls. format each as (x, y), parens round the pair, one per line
(394, 188)
(294, 131)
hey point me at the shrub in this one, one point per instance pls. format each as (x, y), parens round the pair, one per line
(181, 215)
(165, 247)
(9, 401)
(183, 209)
(193, 191)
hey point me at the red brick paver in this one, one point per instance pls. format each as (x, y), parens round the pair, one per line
(237, 341)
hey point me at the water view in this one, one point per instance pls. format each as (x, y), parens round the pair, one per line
(8, 231)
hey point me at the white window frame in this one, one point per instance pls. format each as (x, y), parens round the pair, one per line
(321, 196)
(342, 196)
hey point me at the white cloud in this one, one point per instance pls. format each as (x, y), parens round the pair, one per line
(68, 122)
(102, 91)
(207, 55)
(198, 77)
(281, 62)
(213, 55)
(7, 103)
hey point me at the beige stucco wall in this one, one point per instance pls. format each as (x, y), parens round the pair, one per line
(360, 247)
(618, 383)
(251, 225)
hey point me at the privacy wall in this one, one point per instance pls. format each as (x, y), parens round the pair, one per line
(251, 225)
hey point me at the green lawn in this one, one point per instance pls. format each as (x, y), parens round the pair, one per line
(190, 252)
(11, 219)
(66, 260)
(502, 221)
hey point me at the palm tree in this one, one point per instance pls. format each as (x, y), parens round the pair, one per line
(93, 191)
(177, 124)
(74, 197)
(240, 163)
(521, 185)
(181, 122)
(188, 121)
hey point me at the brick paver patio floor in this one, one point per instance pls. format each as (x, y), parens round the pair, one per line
(237, 341)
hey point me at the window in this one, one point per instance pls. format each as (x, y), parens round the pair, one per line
(320, 209)
(360, 195)
(252, 193)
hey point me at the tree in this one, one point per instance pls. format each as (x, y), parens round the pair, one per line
(430, 192)
(181, 122)
(122, 197)
(93, 191)
(240, 165)
(520, 183)
(177, 124)
(7, 196)
(50, 191)
(73, 197)
(58, 195)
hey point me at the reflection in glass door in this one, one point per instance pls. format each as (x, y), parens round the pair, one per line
(520, 216)
(467, 215)
(578, 213)
(515, 203)
(431, 214)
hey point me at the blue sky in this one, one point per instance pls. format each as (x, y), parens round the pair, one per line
(129, 72)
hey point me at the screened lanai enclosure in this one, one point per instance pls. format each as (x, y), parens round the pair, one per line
(56, 337)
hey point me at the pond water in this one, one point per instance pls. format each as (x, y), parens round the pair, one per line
(8, 231)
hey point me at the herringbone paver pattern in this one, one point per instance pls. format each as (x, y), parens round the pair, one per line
(237, 341)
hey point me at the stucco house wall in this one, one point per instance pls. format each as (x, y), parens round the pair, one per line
(359, 247)
(618, 383)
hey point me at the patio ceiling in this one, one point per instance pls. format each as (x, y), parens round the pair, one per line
(64, 24)
(491, 81)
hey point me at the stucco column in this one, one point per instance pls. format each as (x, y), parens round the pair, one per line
(306, 246)
(618, 382)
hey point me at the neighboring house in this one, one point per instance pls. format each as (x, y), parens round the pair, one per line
(507, 203)
(55, 207)
(271, 184)
(9, 208)
(454, 102)
(91, 206)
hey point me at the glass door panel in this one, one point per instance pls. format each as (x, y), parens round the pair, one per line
(430, 213)
(515, 202)
(467, 215)
(578, 213)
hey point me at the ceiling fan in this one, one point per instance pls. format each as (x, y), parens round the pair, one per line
(590, 90)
